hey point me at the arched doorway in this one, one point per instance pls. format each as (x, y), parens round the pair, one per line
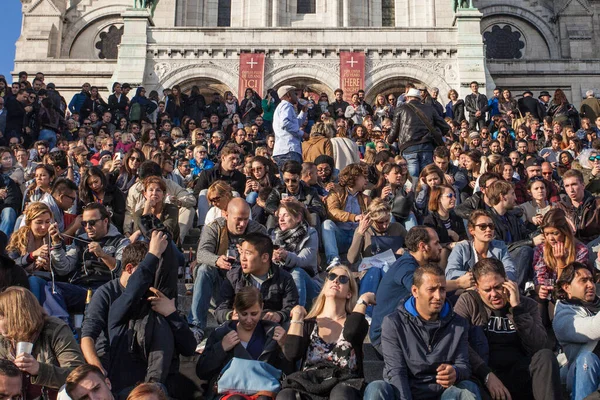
(207, 87)
(395, 86)
(316, 87)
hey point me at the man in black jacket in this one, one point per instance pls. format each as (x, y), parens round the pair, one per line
(510, 228)
(479, 200)
(410, 129)
(276, 285)
(528, 104)
(338, 107)
(225, 171)
(145, 330)
(477, 106)
(16, 109)
(216, 107)
(294, 188)
(455, 176)
(507, 337)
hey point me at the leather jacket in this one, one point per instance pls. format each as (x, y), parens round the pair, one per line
(586, 217)
(474, 103)
(409, 130)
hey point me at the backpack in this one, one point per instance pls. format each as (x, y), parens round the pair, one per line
(135, 112)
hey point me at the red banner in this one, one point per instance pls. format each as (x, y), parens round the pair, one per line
(352, 72)
(252, 73)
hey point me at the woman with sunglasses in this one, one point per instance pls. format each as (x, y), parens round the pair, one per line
(129, 170)
(449, 226)
(95, 188)
(296, 245)
(559, 249)
(465, 254)
(331, 337)
(217, 141)
(155, 190)
(260, 177)
(200, 161)
(219, 195)
(589, 165)
(534, 210)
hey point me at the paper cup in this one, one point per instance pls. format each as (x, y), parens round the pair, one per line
(78, 320)
(24, 347)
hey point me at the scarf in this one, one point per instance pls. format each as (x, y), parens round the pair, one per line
(593, 306)
(290, 239)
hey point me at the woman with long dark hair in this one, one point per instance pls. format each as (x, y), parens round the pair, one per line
(95, 188)
(129, 170)
(251, 106)
(562, 111)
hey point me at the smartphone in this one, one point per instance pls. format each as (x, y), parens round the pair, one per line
(284, 196)
(119, 156)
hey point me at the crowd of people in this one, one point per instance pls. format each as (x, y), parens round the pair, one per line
(460, 236)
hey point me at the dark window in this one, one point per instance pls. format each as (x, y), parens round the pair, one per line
(307, 6)
(388, 11)
(224, 14)
(503, 43)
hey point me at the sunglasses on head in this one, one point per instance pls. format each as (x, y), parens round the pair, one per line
(343, 279)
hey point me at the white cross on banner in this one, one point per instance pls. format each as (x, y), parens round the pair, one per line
(252, 63)
(352, 62)
(252, 73)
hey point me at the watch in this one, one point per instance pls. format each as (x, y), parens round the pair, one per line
(361, 301)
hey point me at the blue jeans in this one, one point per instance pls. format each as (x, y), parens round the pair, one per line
(251, 198)
(410, 222)
(418, 161)
(523, 259)
(8, 217)
(36, 285)
(584, 375)
(308, 288)
(208, 281)
(49, 136)
(335, 240)
(283, 158)
(464, 390)
(369, 284)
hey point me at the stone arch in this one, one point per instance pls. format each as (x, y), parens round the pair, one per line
(529, 17)
(321, 73)
(111, 13)
(395, 85)
(216, 76)
(317, 87)
(382, 77)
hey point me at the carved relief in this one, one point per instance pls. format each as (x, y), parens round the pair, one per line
(164, 70)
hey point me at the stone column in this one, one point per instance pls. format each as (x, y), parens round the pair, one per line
(275, 19)
(471, 59)
(346, 13)
(131, 64)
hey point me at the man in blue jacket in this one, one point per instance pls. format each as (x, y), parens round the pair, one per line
(425, 346)
(423, 245)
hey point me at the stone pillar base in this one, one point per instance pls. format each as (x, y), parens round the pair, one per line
(131, 63)
(471, 58)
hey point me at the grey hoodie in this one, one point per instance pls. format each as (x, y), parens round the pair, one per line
(576, 328)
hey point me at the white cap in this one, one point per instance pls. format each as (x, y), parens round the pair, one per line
(412, 92)
(282, 91)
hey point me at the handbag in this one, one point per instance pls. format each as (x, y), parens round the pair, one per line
(517, 122)
(249, 377)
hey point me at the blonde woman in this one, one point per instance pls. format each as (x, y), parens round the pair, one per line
(318, 144)
(54, 353)
(331, 337)
(455, 152)
(381, 109)
(219, 195)
(29, 247)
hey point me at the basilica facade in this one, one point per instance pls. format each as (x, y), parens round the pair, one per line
(376, 45)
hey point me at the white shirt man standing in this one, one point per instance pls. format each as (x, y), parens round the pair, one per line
(287, 127)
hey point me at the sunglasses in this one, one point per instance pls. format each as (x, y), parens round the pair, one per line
(484, 227)
(343, 279)
(595, 158)
(215, 199)
(91, 222)
(450, 195)
(134, 159)
(403, 165)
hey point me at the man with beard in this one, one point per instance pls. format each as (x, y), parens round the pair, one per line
(423, 245)
(576, 322)
(511, 229)
(511, 360)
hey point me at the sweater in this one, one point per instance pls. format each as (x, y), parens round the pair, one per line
(576, 329)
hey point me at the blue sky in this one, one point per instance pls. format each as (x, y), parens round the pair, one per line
(11, 28)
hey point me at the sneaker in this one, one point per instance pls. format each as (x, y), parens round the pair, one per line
(334, 263)
(198, 333)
